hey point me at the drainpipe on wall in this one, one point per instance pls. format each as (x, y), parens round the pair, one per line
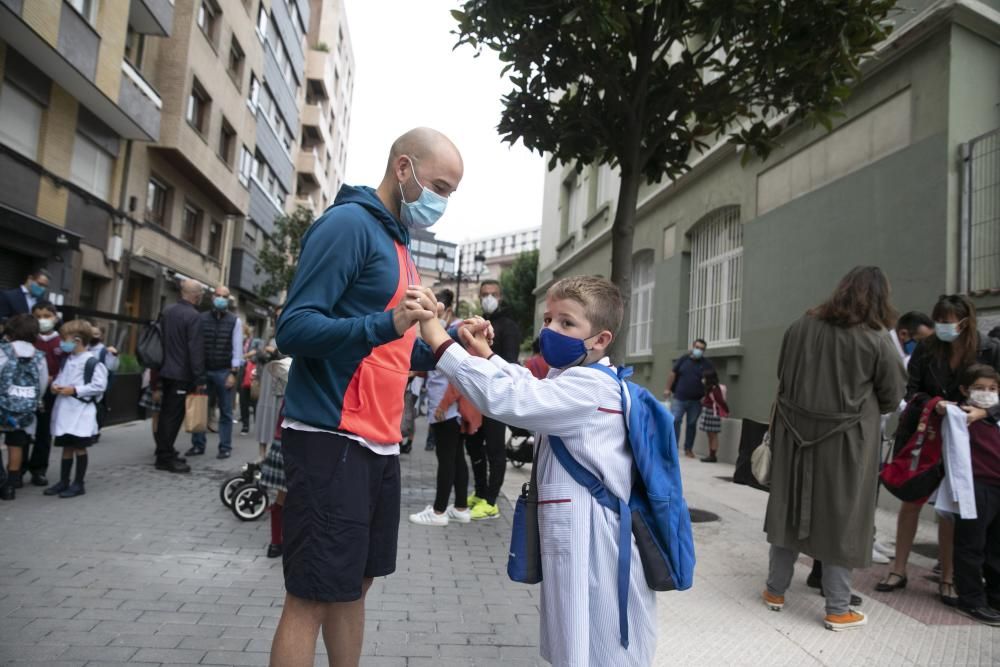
(121, 275)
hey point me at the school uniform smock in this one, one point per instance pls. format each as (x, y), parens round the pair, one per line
(71, 416)
(579, 537)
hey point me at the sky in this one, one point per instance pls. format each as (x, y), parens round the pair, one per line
(407, 75)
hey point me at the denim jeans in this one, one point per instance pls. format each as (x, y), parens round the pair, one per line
(216, 384)
(692, 409)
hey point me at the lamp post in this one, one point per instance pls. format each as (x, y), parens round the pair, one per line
(441, 258)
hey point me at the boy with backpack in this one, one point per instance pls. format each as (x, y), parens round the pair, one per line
(23, 379)
(78, 386)
(596, 605)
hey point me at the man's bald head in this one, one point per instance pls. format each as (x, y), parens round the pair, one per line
(422, 143)
(222, 291)
(191, 290)
(421, 158)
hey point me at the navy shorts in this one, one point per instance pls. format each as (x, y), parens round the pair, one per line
(341, 515)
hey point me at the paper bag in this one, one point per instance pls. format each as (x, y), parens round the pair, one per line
(196, 413)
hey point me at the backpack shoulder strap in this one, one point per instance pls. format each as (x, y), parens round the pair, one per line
(88, 370)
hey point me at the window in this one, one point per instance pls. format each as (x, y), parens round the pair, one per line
(20, 121)
(227, 143)
(716, 277)
(262, 22)
(85, 7)
(214, 239)
(254, 98)
(157, 202)
(198, 107)
(208, 20)
(641, 308)
(191, 231)
(91, 167)
(249, 234)
(135, 44)
(236, 60)
(259, 168)
(246, 165)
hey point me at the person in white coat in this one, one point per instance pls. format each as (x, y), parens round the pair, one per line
(580, 618)
(74, 414)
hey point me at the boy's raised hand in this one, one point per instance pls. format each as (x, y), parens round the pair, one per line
(473, 334)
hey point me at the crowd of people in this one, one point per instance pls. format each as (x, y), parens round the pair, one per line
(370, 346)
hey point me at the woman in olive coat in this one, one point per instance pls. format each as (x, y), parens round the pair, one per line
(838, 371)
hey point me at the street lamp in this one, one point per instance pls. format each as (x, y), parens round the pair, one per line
(441, 258)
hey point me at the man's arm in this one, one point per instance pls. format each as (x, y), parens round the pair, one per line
(334, 254)
(196, 348)
(237, 360)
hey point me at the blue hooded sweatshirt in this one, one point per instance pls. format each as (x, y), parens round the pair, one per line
(350, 366)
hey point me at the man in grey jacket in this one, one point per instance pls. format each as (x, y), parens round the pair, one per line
(183, 370)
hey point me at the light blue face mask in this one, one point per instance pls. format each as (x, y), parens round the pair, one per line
(220, 303)
(946, 332)
(425, 210)
(67, 346)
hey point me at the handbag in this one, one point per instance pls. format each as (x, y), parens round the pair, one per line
(760, 459)
(524, 562)
(917, 469)
(196, 413)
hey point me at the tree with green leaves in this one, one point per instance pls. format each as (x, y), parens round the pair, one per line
(518, 282)
(642, 84)
(279, 256)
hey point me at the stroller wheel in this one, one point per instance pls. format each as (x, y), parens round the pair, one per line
(250, 502)
(517, 464)
(228, 488)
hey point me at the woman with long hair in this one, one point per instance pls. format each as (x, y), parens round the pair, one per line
(935, 370)
(838, 372)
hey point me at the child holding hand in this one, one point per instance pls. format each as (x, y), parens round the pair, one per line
(581, 616)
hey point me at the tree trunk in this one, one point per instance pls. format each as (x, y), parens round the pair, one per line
(622, 233)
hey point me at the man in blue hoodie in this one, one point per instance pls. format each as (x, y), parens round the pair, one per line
(348, 324)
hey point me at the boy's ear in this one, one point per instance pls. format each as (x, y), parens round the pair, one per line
(603, 340)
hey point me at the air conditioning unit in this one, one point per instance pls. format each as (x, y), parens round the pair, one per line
(115, 246)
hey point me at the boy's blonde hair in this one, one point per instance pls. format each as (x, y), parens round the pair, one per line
(81, 329)
(601, 300)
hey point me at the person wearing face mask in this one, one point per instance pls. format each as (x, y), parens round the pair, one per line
(222, 336)
(977, 541)
(349, 324)
(22, 299)
(935, 370)
(47, 342)
(487, 446)
(686, 391)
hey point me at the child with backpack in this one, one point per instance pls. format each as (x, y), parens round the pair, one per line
(713, 409)
(78, 386)
(48, 343)
(596, 605)
(977, 541)
(23, 378)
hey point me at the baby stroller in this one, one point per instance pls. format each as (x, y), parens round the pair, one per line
(244, 494)
(520, 447)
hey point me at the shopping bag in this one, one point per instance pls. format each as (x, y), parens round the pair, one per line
(196, 413)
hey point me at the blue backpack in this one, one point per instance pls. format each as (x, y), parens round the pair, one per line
(656, 514)
(19, 396)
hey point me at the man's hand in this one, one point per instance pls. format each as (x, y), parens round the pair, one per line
(113, 350)
(230, 381)
(418, 305)
(201, 389)
(439, 415)
(473, 335)
(973, 414)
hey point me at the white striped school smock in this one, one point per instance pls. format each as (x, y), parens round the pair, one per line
(579, 537)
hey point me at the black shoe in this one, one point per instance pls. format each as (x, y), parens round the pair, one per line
(245, 431)
(406, 448)
(7, 492)
(15, 480)
(709, 459)
(273, 550)
(887, 585)
(75, 489)
(985, 615)
(194, 451)
(39, 480)
(172, 465)
(224, 454)
(947, 600)
(995, 603)
(56, 488)
(429, 448)
(856, 600)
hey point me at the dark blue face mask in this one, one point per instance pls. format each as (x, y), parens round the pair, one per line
(560, 350)
(909, 346)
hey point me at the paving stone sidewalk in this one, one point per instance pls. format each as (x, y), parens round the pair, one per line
(150, 568)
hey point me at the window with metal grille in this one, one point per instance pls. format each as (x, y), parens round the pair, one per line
(640, 334)
(981, 214)
(716, 277)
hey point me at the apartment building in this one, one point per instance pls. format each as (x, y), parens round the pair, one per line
(72, 103)
(327, 105)
(499, 251)
(907, 180)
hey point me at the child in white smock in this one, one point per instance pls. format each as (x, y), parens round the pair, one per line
(74, 414)
(583, 406)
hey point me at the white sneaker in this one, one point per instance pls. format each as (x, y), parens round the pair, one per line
(461, 516)
(885, 549)
(879, 557)
(429, 517)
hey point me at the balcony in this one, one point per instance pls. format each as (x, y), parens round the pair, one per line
(319, 73)
(151, 17)
(306, 201)
(71, 62)
(310, 168)
(314, 125)
(140, 100)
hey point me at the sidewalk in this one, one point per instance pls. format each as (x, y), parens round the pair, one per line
(150, 568)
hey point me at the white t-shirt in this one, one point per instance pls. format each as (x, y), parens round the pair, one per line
(390, 449)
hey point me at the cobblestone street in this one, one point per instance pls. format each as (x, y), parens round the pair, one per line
(150, 568)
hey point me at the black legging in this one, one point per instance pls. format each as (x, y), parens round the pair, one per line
(487, 452)
(452, 471)
(245, 404)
